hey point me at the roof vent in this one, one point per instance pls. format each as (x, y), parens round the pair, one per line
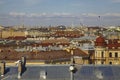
(2, 68)
(43, 74)
(99, 74)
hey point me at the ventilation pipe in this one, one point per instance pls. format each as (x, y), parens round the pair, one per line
(2, 68)
(19, 69)
(21, 66)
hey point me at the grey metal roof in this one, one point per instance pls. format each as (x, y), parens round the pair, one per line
(61, 72)
(86, 38)
(87, 47)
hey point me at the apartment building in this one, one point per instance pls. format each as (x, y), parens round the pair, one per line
(107, 51)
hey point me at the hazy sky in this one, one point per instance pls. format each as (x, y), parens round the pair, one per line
(60, 12)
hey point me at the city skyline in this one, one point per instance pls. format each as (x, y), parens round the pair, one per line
(63, 12)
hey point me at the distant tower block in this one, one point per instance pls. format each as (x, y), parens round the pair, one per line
(2, 68)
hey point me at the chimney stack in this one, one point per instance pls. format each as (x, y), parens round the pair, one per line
(21, 66)
(19, 69)
(23, 59)
(2, 68)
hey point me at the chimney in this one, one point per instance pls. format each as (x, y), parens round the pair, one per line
(19, 69)
(2, 68)
(23, 59)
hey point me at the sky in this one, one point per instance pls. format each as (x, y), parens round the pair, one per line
(60, 12)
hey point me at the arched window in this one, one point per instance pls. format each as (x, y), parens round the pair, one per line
(110, 62)
(110, 54)
(116, 54)
(102, 62)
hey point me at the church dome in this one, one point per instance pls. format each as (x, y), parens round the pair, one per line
(100, 41)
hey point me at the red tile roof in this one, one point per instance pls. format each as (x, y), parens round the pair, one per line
(100, 41)
(17, 38)
(44, 55)
(53, 42)
(112, 44)
(70, 34)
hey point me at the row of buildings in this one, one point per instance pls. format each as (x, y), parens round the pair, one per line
(57, 45)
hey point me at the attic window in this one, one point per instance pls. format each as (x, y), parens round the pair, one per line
(113, 47)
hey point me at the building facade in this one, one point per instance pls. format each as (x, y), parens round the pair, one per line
(107, 51)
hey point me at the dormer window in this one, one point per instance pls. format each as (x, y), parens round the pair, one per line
(113, 47)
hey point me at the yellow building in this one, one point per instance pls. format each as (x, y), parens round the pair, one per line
(12, 33)
(107, 51)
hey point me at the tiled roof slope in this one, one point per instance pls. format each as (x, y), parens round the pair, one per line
(40, 55)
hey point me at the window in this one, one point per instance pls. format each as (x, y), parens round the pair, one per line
(116, 54)
(110, 54)
(102, 62)
(110, 62)
(102, 54)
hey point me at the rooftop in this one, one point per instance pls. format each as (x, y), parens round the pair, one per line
(61, 72)
(9, 54)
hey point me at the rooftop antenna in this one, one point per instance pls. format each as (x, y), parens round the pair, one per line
(99, 20)
(100, 26)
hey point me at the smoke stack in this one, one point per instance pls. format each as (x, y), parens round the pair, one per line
(2, 68)
(19, 69)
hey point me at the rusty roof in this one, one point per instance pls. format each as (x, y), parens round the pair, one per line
(40, 55)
